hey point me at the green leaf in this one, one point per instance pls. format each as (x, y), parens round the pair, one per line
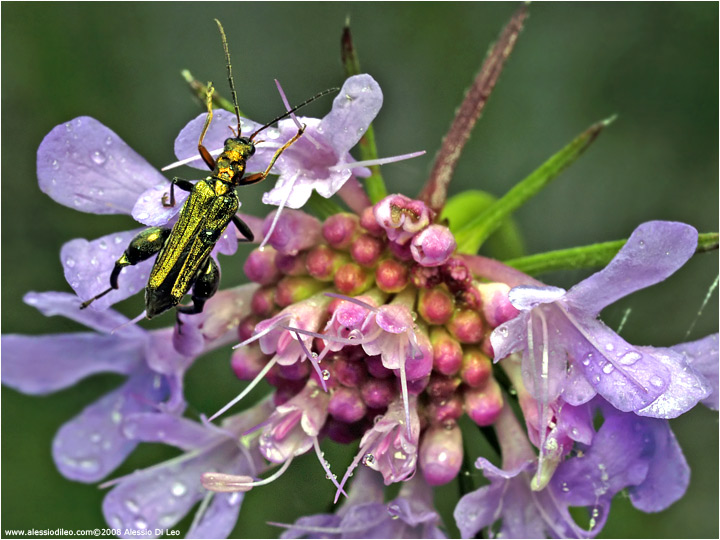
(505, 243)
(321, 207)
(592, 256)
(474, 233)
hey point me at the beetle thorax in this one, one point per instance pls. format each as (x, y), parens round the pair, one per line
(230, 165)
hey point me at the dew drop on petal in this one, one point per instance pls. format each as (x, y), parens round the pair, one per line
(178, 489)
(118, 239)
(131, 505)
(234, 498)
(630, 358)
(325, 374)
(393, 510)
(656, 381)
(70, 262)
(608, 368)
(98, 157)
(609, 347)
(55, 164)
(141, 524)
(368, 459)
(102, 244)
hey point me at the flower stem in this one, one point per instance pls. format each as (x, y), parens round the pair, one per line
(435, 191)
(321, 207)
(594, 255)
(472, 235)
(374, 184)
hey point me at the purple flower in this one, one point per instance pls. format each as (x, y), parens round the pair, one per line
(159, 497)
(92, 444)
(84, 165)
(702, 356)
(364, 514)
(568, 352)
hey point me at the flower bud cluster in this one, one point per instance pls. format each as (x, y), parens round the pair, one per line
(388, 315)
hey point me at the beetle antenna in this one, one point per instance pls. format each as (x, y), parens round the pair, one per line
(288, 113)
(230, 77)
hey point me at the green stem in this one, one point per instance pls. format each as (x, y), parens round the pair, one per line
(472, 235)
(592, 256)
(321, 207)
(200, 91)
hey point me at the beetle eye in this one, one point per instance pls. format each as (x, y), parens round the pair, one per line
(227, 141)
(252, 149)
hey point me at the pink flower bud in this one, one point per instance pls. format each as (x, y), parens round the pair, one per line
(260, 266)
(483, 405)
(447, 352)
(436, 305)
(476, 367)
(433, 246)
(441, 388)
(339, 230)
(247, 362)
(291, 265)
(291, 289)
(466, 326)
(322, 262)
(262, 303)
(402, 217)
(349, 373)
(391, 276)
(352, 279)
(378, 393)
(366, 250)
(451, 409)
(347, 405)
(246, 328)
(376, 368)
(369, 223)
(496, 306)
(441, 453)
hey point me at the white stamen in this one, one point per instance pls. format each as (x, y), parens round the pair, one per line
(290, 186)
(132, 321)
(247, 390)
(312, 359)
(190, 160)
(379, 161)
(326, 466)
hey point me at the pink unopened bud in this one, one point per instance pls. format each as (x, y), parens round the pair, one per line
(369, 223)
(391, 276)
(447, 352)
(292, 289)
(483, 405)
(352, 279)
(402, 217)
(295, 371)
(441, 453)
(294, 231)
(400, 251)
(291, 265)
(339, 230)
(349, 373)
(441, 388)
(262, 303)
(451, 409)
(323, 262)
(466, 326)
(416, 387)
(366, 250)
(260, 266)
(378, 393)
(347, 405)
(436, 305)
(476, 367)
(496, 306)
(433, 246)
(419, 366)
(342, 432)
(376, 368)
(247, 362)
(246, 328)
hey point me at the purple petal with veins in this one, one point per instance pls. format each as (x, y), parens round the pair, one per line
(84, 165)
(702, 356)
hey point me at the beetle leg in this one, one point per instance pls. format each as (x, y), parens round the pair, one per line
(258, 177)
(185, 185)
(207, 158)
(243, 228)
(145, 244)
(206, 285)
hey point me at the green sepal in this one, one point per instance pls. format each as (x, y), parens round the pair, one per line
(474, 233)
(374, 184)
(592, 256)
(321, 207)
(505, 243)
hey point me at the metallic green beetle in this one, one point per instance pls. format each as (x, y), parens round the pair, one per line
(184, 260)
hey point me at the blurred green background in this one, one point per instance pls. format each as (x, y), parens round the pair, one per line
(655, 65)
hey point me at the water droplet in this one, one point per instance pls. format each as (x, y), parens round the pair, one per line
(503, 331)
(143, 215)
(167, 520)
(565, 487)
(98, 157)
(368, 459)
(55, 164)
(608, 368)
(630, 358)
(77, 202)
(118, 239)
(109, 140)
(325, 374)
(94, 261)
(70, 262)
(393, 510)
(609, 347)
(116, 417)
(656, 381)
(235, 498)
(89, 465)
(361, 130)
(141, 524)
(131, 505)
(95, 437)
(102, 244)
(178, 489)
(586, 360)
